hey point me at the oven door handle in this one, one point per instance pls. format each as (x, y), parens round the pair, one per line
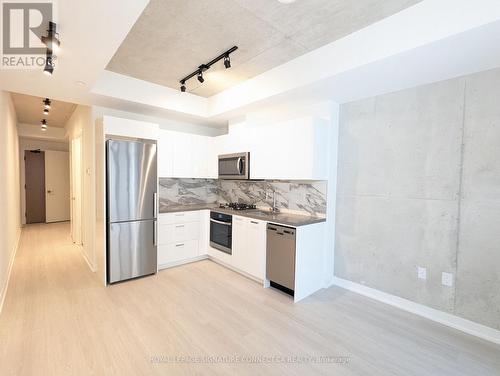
(220, 222)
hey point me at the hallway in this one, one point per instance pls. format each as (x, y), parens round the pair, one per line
(58, 320)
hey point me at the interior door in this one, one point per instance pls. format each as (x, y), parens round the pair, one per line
(76, 190)
(35, 186)
(57, 196)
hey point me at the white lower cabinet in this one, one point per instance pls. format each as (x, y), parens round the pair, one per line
(175, 252)
(249, 246)
(179, 237)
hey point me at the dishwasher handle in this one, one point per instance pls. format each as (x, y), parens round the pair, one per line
(281, 230)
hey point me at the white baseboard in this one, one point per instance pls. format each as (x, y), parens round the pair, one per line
(464, 325)
(3, 294)
(82, 251)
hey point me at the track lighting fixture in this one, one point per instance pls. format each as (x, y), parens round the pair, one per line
(45, 111)
(49, 64)
(43, 124)
(46, 103)
(52, 39)
(202, 68)
(227, 62)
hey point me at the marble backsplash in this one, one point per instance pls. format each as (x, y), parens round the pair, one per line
(291, 196)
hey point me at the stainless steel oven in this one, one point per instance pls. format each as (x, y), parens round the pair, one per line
(221, 231)
(234, 166)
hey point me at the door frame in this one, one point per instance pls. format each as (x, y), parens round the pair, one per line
(76, 190)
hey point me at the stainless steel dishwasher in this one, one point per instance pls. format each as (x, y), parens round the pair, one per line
(280, 257)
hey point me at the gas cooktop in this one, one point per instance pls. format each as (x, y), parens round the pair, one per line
(237, 206)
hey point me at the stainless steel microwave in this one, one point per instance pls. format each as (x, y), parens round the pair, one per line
(234, 166)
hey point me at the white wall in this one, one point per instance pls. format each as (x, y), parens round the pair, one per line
(81, 123)
(32, 144)
(10, 221)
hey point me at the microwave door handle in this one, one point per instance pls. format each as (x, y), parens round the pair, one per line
(239, 165)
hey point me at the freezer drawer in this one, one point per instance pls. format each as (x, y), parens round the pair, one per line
(131, 250)
(280, 255)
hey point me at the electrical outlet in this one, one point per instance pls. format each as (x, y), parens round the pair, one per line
(447, 279)
(421, 272)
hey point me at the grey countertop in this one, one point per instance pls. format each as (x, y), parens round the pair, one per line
(293, 220)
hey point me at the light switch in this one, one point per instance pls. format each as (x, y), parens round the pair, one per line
(421, 273)
(447, 279)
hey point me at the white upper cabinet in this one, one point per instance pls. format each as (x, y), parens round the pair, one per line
(183, 155)
(184, 159)
(292, 150)
(114, 126)
(165, 154)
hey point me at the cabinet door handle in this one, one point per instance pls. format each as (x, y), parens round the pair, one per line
(179, 226)
(255, 223)
(180, 245)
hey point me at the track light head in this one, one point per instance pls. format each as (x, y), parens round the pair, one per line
(52, 39)
(49, 64)
(43, 124)
(45, 111)
(227, 62)
(183, 86)
(46, 103)
(200, 77)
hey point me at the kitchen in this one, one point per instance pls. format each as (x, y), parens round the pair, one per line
(224, 207)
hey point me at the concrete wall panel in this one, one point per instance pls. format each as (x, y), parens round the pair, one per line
(419, 185)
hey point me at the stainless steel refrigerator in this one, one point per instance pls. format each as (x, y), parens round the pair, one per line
(131, 192)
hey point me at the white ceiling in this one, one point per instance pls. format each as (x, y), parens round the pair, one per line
(173, 37)
(29, 110)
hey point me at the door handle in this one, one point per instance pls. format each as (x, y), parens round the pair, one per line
(155, 234)
(220, 222)
(239, 166)
(49, 191)
(155, 203)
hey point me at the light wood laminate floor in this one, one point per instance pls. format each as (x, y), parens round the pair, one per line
(58, 320)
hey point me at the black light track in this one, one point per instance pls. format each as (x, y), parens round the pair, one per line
(204, 67)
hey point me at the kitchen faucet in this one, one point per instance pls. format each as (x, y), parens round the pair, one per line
(275, 208)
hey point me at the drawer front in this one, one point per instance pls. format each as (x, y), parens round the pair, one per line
(177, 252)
(175, 233)
(179, 217)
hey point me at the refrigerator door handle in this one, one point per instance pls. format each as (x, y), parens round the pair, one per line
(155, 234)
(155, 203)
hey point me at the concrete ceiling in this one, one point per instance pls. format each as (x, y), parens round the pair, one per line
(29, 110)
(173, 37)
